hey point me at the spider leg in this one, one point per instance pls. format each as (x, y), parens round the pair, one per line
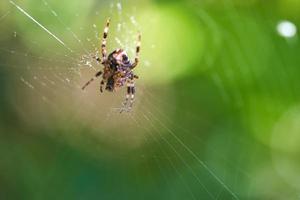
(103, 45)
(132, 95)
(97, 59)
(136, 76)
(129, 95)
(92, 79)
(101, 86)
(137, 51)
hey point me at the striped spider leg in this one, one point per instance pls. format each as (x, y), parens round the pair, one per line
(130, 94)
(130, 83)
(137, 52)
(103, 45)
(92, 79)
(104, 57)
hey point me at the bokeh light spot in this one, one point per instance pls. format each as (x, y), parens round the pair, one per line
(286, 29)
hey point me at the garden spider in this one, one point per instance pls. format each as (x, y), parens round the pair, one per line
(117, 69)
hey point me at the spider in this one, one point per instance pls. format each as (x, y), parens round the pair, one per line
(118, 69)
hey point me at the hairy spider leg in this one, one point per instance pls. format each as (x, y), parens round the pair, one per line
(101, 85)
(97, 59)
(130, 93)
(103, 45)
(92, 79)
(137, 51)
(135, 76)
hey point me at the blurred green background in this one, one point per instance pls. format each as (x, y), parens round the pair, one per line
(216, 116)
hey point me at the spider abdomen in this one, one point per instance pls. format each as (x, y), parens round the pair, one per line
(110, 84)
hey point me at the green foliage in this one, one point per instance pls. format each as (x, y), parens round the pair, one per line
(216, 113)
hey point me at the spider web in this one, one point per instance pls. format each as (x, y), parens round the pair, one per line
(48, 94)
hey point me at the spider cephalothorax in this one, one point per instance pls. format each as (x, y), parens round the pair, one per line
(121, 58)
(117, 69)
